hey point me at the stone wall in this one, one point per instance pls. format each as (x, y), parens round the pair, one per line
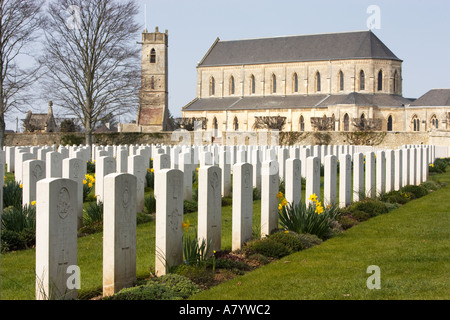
(378, 139)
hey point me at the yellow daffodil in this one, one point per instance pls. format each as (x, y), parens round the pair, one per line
(186, 225)
(280, 207)
(284, 202)
(313, 197)
(152, 170)
(148, 169)
(287, 231)
(280, 195)
(33, 203)
(84, 182)
(90, 185)
(21, 186)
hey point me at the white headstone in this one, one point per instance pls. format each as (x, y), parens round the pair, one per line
(330, 180)
(293, 182)
(380, 173)
(119, 232)
(269, 202)
(358, 176)
(312, 179)
(75, 169)
(53, 163)
(169, 220)
(33, 171)
(103, 167)
(370, 183)
(136, 167)
(242, 212)
(210, 207)
(345, 180)
(56, 238)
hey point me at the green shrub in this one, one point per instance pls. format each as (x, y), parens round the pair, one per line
(142, 217)
(417, 191)
(304, 219)
(372, 207)
(259, 258)
(12, 194)
(431, 185)
(395, 197)
(196, 273)
(154, 291)
(267, 247)
(439, 166)
(90, 167)
(19, 219)
(347, 221)
(256, 194)
(93, 212)
(309, 240)
(289, 238)
(150, 178)
(150, 204)
(224, 260)
(178, 284)
(71, 139)
(189, 206)
(360, 216)
(227, 201)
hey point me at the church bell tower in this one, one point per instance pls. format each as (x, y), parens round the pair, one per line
(154, 94)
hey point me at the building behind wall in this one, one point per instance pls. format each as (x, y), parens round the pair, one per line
(351, 79)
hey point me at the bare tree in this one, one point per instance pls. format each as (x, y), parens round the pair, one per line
(270, 123)
(362, 124)
(20, 22)
(323, 123)
(92, 60)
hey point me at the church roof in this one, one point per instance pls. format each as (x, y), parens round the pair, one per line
(434, 97)
(302, 48)
(295, 102)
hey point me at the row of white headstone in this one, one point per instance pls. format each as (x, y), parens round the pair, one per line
(58, 203)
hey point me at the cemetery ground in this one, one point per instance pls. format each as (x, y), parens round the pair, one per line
(409, 244)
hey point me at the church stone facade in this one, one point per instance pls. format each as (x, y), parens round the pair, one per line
(347, 78)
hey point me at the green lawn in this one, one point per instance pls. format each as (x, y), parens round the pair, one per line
(410, 245)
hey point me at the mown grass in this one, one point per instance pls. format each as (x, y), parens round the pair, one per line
(409, 244)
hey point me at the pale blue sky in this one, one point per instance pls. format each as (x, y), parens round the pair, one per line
(418, 32)
(414, 30)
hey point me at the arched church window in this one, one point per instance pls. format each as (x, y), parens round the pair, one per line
(416, 123)
(212, 86)
(232, 87)
(274, 83)
(380, 80)
(236, 124)
(252, 84)
(346, 122)
(389, 124)
(396, 81)
(295, 82)
(362, 80)
(302, 123)
(153, 56)
(341, 81)
(434, 122)
(318, 84)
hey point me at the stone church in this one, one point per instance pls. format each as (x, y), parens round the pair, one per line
(347, 81)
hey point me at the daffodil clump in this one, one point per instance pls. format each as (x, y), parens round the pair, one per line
(88, 185)
(317, 204)
(282, 202)
(310, 218)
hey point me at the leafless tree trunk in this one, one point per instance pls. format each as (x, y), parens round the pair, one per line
(92, 59)
(20, 21)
